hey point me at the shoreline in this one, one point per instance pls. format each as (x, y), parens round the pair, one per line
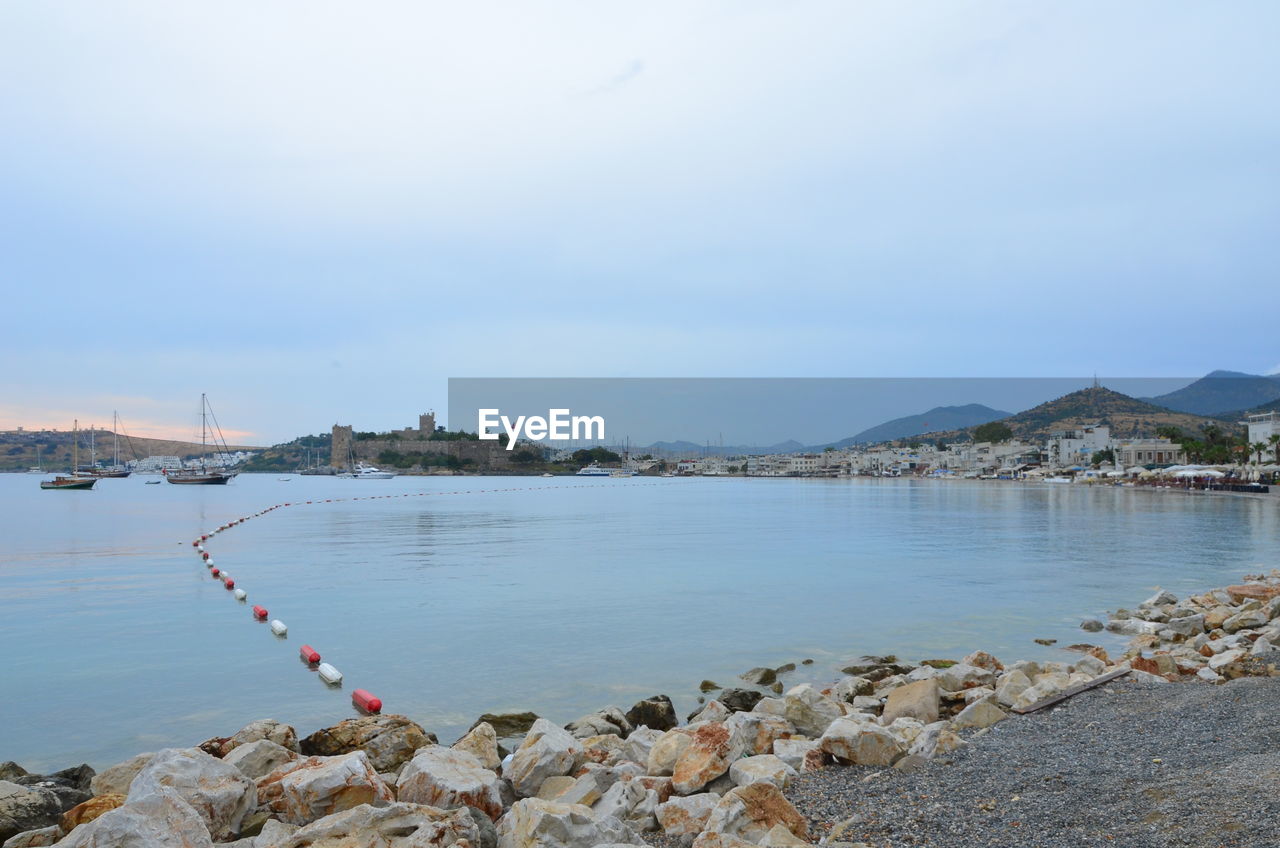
(702, 780)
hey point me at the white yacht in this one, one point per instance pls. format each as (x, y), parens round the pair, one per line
(364, 471)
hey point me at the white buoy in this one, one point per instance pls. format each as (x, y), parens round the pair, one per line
(240, 594)
(200, 549)
(328, 673)
(278, 627)
(209, 562)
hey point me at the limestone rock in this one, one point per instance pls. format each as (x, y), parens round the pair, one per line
(809, 710)
(917, 700)
(640, 743)
(587, 789)
(981, 659)
(309, 789)
(667, 750)
(760, 730)
(792, 751)
(655, 713)
(862, 742)
(1090, 665)
(24, 808)
(216, 790)
(264, 728)
(508, 725)
(396, 825)
(608, 720)
(448, 778)
(553, 787)
(713, 747)
(116, 779)
(547, 750)
(979, 714)
(687, 815)
(1160, 598)
(780, 837)
(934, 739)
(90, 810)
(739, 700)
(767, 767)
(1189, 625)
(750, 812)
(760, 676)
(481, 742)
(273, 832)
(605, 749)
(37, 838)
(161, 819)
(388, 740)
(619, 802)
(713, 710)
(1010, 685)
(1092, 625)
(847, 688)
(1246, 620)
(706, 839)
(532, 823)
(963, 676)
(259, 758)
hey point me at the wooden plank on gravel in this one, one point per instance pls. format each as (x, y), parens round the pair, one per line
(1067, 693)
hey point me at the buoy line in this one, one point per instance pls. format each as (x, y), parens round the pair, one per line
(364, 701)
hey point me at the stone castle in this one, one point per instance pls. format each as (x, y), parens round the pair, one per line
(348, 450)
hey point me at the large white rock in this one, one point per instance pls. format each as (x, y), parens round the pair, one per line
(259, 758)
(667, 750)
(760, 730)
(638, 745)
(218, 791)
(1090, 665)
(610, 720)
(687, 815)
(161, 819)
(848, 688)
(979, 714)
(792, 751)
(534, 823)
(809, 710)
(116, 779)
(860, 741)
(448, 778)
(1010, 685)
(766, 767)
(934, 739)
(481, 742)
(713, 710)
(963, 676)
(392, 826)
(546, 750)
(620, 801)
(713, 747)
(309, 789)
(750, 812)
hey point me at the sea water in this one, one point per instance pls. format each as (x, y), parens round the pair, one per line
(462, 595)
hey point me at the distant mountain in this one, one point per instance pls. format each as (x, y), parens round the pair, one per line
(938, 418)
(1126, 416)
(1220, 392)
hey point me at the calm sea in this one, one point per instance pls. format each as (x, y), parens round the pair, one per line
(555, 595)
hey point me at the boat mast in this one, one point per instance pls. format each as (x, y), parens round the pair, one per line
(115, 437)
(204, 416)
(75, 447)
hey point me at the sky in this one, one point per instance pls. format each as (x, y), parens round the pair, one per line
(320, 212)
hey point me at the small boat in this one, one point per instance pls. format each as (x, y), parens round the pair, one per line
(592, 470)
(72, 480)
(204, 475)
(548, 474)
(153, 483)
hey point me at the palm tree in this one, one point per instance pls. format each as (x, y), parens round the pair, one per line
(1274, 439)
(1258, 448)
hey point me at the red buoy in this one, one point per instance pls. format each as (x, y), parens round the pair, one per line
(310, 654)
(366, 701)
(231, 584)
(204, 555)
(260, 613)
(205, 537)
(215, 571)
(196, 543)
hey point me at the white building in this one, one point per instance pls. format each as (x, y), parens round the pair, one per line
(1262, 427)
(1068, 448)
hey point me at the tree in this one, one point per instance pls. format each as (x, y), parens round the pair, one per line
(1102, 456)
(992, 431)
(524, 457)
(1259, 448)
(1274, 439)
(1170, 432)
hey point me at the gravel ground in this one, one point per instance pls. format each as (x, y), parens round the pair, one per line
(1124, 765)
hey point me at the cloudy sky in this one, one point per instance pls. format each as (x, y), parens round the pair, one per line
(320, 211)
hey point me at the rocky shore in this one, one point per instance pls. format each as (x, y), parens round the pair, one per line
(754, 766)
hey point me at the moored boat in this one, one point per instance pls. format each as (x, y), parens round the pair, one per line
(72, 480)
(204, 475)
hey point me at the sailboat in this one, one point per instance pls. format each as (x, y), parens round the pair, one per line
(72, 480)
(205, 474)
(116, 469)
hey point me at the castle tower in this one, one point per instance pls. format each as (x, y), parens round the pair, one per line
(340, 453)
(427, 423)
